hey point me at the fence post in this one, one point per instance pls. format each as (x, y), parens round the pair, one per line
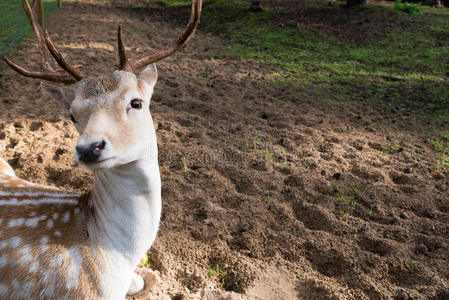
(40, 13)
(59, 3)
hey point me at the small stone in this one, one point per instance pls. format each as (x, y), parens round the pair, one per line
(407, 170)
(404, 215)
(401, 295)
(323, 172)
(292, 23)
(421, 249)
(310, 244)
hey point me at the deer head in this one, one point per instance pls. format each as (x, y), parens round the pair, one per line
(111, 112)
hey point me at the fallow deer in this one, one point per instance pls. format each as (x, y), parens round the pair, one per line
(56, 244)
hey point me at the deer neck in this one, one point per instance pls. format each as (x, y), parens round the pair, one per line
(125, 209)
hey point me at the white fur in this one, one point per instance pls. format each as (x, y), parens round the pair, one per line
(3, 290)
(32, 222)
(137, 284)
(38, 194)
(3, 261)
(73, 271)
(15, 201)
(15, 241)
(7, 170)
(129, 219)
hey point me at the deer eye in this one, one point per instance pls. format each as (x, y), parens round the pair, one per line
(136, 103)
(72, 118)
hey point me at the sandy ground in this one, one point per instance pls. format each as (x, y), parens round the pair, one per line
(292, 200)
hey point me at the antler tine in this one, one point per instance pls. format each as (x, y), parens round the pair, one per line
(53, 67)
(121, 48)
(61, 60)
(33, 5)
(134, 64)
(52, 77)
(47, 62)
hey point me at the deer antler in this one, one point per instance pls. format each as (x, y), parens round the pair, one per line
(53, 62)
(133, 64)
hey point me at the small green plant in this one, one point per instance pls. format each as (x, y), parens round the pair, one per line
(409, 8)
(445, 135)
(416, 152)
(228, 278)
(437, 145)
(217, 272)
(259, 142)
(348, 197)
(444, 159)
(202, 78)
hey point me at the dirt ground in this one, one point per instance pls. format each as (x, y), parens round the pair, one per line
(262, 199)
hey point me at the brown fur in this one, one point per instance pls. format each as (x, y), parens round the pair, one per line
(99, 86)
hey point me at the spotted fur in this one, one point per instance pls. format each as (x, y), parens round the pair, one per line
(60, 258)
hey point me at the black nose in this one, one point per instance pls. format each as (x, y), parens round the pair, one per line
(90, 153)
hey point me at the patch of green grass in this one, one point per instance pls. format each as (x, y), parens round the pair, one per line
(441, 145)
(348, 196)
(444, 159)
(14, 23)
(174, 3)
(409, 8)
(400, 63)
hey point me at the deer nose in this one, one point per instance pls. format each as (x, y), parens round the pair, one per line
(90, 153)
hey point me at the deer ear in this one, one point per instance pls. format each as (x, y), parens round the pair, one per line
(63, 95)
(149, 75)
